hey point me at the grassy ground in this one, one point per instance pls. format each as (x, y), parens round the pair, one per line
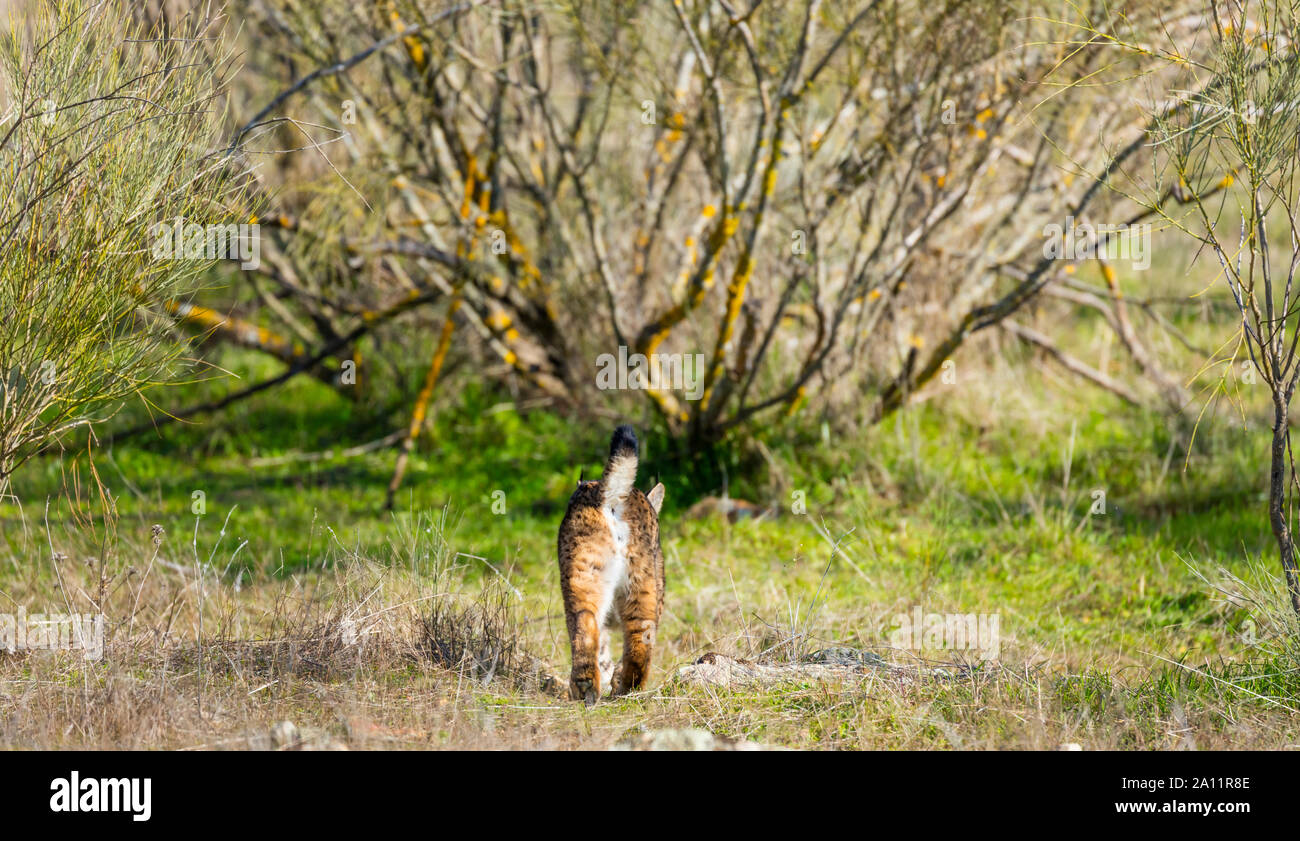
(1149, 624)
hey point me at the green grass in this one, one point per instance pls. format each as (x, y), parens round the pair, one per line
(973, 513)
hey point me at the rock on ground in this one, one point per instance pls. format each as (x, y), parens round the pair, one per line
(684, 739)
(715, 669)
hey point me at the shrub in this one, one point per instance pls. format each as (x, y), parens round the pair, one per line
(103, 126)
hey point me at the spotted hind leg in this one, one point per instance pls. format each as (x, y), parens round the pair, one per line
(640, 617)
(581, 589)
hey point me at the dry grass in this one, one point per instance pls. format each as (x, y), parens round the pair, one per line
(363, 656)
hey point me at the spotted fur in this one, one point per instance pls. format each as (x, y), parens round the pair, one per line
(612, 574)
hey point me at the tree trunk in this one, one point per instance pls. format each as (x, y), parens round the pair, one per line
(1277, 501)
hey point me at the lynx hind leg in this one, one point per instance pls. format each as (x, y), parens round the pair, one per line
(640, 625)
(584, 678)
(580, 582)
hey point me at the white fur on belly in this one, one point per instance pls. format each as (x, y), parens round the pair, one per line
(614, 576)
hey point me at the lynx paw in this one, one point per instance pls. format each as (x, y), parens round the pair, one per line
(627, 678)
(585, 690)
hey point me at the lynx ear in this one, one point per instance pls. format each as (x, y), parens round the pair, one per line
(656, 497)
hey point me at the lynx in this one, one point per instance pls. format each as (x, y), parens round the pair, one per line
(612, 573)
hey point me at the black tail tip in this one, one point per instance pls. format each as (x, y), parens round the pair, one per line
(623, 442)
